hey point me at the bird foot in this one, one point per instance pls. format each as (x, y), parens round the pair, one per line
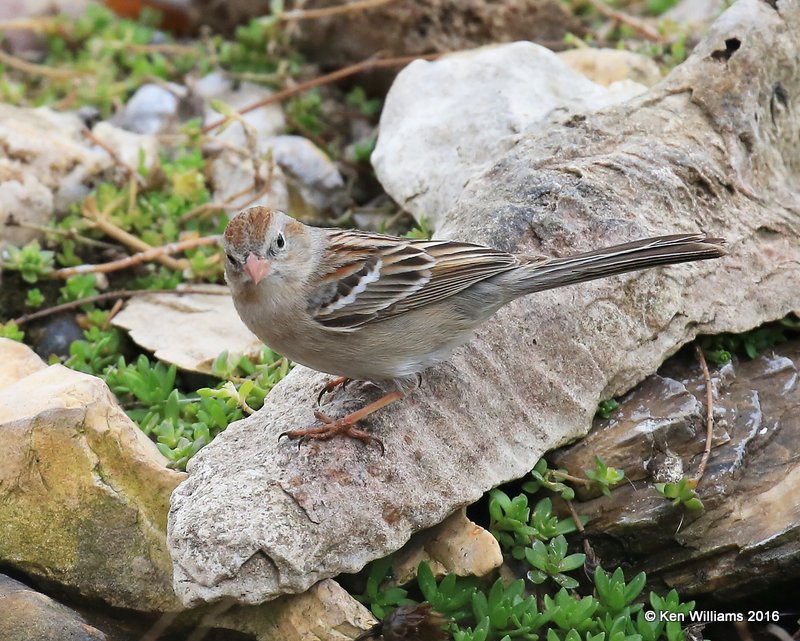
(331, 385)
(344, 426)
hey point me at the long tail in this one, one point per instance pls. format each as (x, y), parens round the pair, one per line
(628, 257)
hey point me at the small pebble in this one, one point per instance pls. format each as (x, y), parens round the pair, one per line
(56, 336)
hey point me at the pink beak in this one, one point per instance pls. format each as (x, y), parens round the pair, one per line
(256, 268)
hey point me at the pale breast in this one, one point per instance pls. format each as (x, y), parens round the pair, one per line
(398, 347)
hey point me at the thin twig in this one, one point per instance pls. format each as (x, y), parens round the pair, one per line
(37, 70)
(111, 152)
(163, 47)
(130, 261)
(587, 547)
(226, 204)
(210, 618)
(160, 626)
(709, 413)
(104, 224)
(115, 309)
(779, 633)
(294, 123)
(120, 293)
(365, 65)
(70, 234)
(252, 76)
(642, 28)
(44, 24)
(326, 12)
(568, 477)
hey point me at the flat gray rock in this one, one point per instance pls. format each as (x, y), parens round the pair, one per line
(28, 615)
(712, 148)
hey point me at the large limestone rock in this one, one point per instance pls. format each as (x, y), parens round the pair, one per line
(324, 613)
(713, 147)
(83, 505)
(18, 362)
(83, 492)
(444, 121)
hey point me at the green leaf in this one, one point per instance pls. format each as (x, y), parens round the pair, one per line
(34, 298)
(694, 503)
(635, 587)
(606, 408)
(536, 576)
(11, 331)
(426, 581)
(565, 581)
(572, 562)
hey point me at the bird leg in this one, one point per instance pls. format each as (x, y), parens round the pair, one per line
(332, 385)
(345, 425)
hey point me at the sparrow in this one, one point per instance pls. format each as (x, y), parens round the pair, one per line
(370, 307)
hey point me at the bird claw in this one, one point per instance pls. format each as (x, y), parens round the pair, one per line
(331, 385)
(345, 425)
(331, 429)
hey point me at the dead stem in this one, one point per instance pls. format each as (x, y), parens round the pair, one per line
(226, 204)
(104, 224)
(591, 557)
(70, 234)
(640, 27)
(709, 413)
(164, 47)
(208, 207)
(120, 293)
(41, 24)
(326, 12)
(111, 152)
(573, 479)
(130, 261)
(115, 309)
(365, 65)
(37, 70)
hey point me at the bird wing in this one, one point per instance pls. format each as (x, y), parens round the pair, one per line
(369, 277)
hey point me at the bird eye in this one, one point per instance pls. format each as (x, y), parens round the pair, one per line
(280, 241)
(232, 260)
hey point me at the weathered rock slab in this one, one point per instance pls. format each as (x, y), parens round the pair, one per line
(192, 329)
(444, 121)
(713, 147)
(83, 492)
(747, 538)
(27, 615)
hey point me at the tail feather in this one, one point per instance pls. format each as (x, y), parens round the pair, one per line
(628, 257)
